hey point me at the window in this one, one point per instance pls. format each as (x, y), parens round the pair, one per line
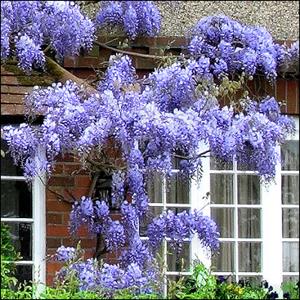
(23, 210)
(290, 209)
(171, 194)
(236, 206)
(259, 225)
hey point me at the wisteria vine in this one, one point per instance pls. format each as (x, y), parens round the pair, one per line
(172, 111)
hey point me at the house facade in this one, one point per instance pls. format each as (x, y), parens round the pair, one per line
(259, 225)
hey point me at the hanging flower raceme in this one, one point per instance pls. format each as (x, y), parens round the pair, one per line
(182, 226)
(234, 47)
(59, 24)
(135, 18)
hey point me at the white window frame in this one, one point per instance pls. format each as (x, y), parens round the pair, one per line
(38, 223)
(295, 206)
(271, 221)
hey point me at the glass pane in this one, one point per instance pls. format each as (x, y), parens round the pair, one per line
(290, 189)
(243, 167)
(290, 155)
(178, 190)
(224, 260)
(224, 217)
(290, 221)
(21, 234)
(7, 166)
(152, 213)
(23, 273)
(16, 199)
(249, 222)
(154, 188)
(294, 278)
(218, 164)
(178, 260)
(252, 280)
(249, 257)
(178, 210)
(290, 256)
(248, 189)
(221, 189)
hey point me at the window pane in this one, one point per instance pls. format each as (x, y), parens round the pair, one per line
(249, 222)
(7, 166)
(243, 167)
(224, 217)
(178, 210)
(249, 257)
(154, 188)
(290, 257)
(24, 273)
(21, 234)
(221, 189)
(224, 260)
(178, 261)
(16, 199)
(290, 221)
(290, 189)
(290, 155)
(218, 164)
(152, 213)
(248, 189)
(253, 280)
(178, 190)
(291, 278)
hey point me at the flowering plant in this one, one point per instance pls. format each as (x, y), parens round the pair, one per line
(149, 121)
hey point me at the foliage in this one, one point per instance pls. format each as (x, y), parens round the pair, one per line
(91, 275)
(290, 290)
(147, 123)
(8, 256)
(203, 285)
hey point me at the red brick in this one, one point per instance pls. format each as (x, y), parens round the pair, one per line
(85, 243)
(58, 168)
(11, 109)
(292, 101)
(49, 279)
(65, 157)
(281, 89)
(57, 231)
(74, 169)
(292, 86)
(58, 206)
(61, 181)
(54, 218)
(79, 192)
(53, 267)
(53, 243)
(83, 181)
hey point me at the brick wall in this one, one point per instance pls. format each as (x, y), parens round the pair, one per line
(64, 182)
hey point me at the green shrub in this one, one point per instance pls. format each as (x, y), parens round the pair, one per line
(8, 256)
(290, 290)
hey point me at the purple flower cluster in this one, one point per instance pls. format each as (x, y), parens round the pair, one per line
(182, 226)
(235, 47)
(108, 278)
(94, 214)
(65, 254)
(136, 18)
(59, 24)
(29, 54)
(114, 235)
(148, 120)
